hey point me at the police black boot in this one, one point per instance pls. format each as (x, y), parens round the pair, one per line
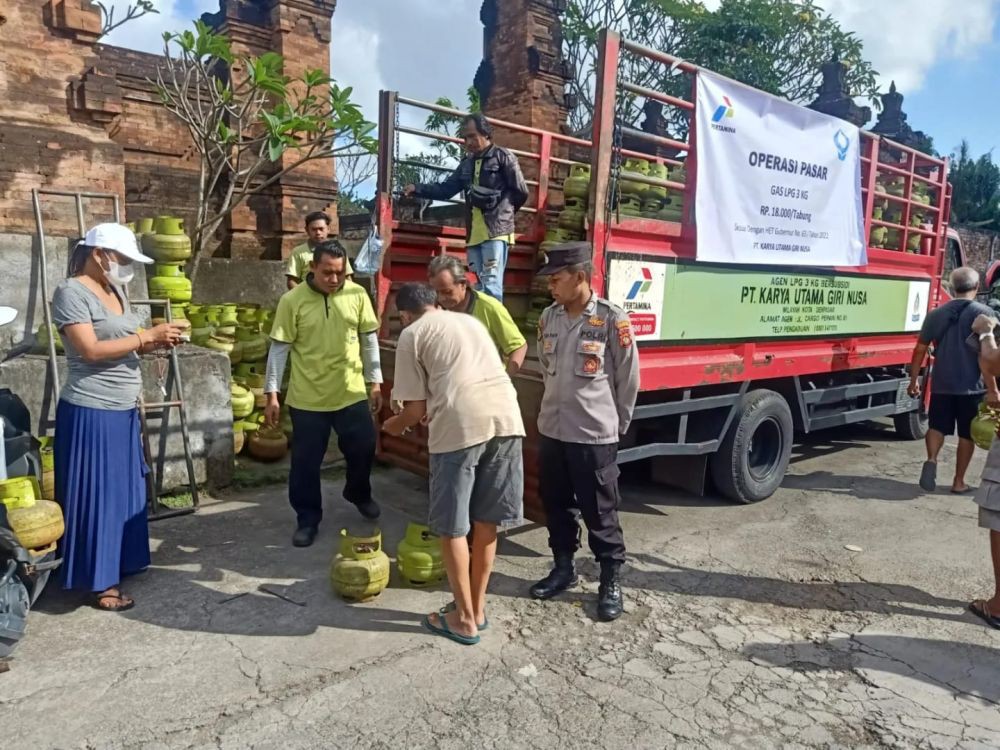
(561, 577)
(609, 593)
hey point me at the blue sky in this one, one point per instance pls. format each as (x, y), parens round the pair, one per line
(960, 99)
(943, 54)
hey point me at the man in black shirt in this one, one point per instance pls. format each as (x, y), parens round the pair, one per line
(957, 385)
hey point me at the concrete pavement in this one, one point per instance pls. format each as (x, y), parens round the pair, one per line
(749, 626)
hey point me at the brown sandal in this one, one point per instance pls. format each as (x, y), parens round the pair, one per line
(113, 600)
(981, 610)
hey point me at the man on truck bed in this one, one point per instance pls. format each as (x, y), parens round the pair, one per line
(956, 383)
(447, 275)
(494, 189)
(591, 371)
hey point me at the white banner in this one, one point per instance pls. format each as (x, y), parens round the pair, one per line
(777, 183)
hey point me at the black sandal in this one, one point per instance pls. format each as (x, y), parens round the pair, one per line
(122, 603)
(981, 610)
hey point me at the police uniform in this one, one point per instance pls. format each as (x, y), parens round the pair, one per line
(590, 368)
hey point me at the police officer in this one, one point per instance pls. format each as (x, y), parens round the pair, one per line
(591, 371)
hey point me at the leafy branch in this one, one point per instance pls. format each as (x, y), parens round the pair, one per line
(250, 123)
(132, 12)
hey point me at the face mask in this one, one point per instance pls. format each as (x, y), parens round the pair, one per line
(118, 274)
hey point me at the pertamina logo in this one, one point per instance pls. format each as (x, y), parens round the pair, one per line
(724, 111)
(639, 308)
(641, 286)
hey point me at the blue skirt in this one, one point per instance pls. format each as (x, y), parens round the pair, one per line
(100, 484)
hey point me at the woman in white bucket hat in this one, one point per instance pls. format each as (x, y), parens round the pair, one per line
(99, 464)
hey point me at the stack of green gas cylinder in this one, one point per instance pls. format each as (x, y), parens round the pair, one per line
(638, 199)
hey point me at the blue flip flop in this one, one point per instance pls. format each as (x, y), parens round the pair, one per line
(445, 632)
(451, 607)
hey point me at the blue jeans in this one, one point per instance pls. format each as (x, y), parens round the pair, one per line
(488, 260)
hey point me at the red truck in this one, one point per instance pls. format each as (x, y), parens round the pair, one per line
(721, 400)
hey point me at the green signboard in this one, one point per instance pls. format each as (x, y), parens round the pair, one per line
(696, 302)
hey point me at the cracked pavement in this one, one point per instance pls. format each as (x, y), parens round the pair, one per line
(748, 626)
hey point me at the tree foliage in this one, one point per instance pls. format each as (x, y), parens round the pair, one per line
(249, 122)
(354, 171)
(442, 156)
(975, 189)
(774, 45)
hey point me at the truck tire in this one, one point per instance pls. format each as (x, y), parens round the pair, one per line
(911, 426)
(753, 456)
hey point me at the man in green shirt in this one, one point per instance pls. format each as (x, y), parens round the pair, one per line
(329, 328)
(447, 275)
(299, 262)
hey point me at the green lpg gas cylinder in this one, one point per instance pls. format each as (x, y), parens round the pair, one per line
(360, 571)
(418, 556)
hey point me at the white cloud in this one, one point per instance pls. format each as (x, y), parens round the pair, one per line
(353, 50)
(146, 33)
(905, 39)
(423, 49)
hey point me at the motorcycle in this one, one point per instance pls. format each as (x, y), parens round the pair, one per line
(23, 572)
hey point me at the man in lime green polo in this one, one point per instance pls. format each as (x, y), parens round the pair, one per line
(329, 328)
(446, 274)
(317, 230)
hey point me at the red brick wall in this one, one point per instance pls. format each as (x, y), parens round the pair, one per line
(161, 166)
(81, 116)
(523, 77)
(271, 225)
(982, 246)
(52, 134)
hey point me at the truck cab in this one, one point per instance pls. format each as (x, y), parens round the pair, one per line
(954, 257)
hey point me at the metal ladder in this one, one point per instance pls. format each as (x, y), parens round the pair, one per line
(172, 387)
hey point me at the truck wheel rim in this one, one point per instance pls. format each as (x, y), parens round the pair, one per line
(764, 450)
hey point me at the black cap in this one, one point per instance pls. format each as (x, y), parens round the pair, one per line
(564, 256)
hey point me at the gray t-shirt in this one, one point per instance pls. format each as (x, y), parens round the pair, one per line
(113, 384)
(956, 364)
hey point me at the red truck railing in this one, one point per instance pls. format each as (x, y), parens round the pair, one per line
(889, 172)
(896, 165)
(544, 169)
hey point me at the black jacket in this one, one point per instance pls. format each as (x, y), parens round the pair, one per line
(499, 171)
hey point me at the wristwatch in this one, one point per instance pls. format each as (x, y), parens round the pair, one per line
(988, 334)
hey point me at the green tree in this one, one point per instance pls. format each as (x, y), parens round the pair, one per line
(442, 156)
(774, 45)
(975, 189)
(449, 124)
(249, 122)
